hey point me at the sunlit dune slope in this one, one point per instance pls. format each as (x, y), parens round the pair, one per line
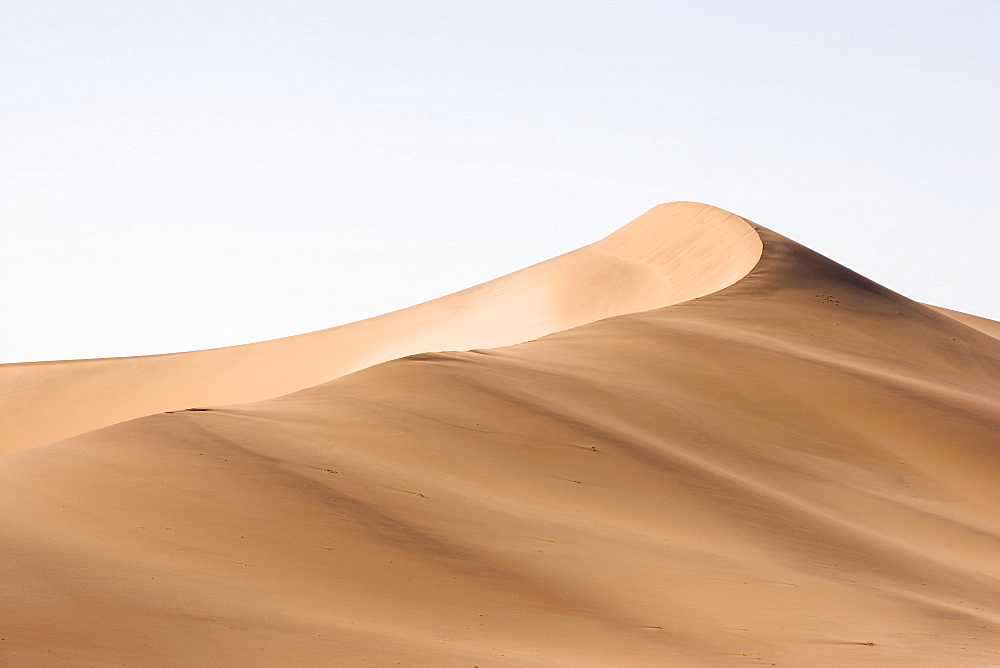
(673, 253)
(800, 469)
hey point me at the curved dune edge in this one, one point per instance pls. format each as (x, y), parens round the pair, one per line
(798, 469)
(672, 253)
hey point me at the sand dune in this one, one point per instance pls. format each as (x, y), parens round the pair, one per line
(780, 463)
(673, 253)
(984, 325)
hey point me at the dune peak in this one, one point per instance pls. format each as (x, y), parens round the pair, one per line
(672, 253)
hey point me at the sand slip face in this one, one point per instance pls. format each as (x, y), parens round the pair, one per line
(799, 469)
(673, 253)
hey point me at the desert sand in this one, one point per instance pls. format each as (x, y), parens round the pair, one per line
(694, 442)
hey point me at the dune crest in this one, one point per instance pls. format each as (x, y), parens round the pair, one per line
(672, 253)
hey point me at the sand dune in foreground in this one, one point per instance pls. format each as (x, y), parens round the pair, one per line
(798, 469)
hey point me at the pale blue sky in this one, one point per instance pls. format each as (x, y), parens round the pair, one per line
(178, 175)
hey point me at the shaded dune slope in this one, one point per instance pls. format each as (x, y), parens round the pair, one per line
(798, 469)
(672, 253)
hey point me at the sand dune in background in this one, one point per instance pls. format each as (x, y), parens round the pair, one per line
(797, 469)
(673, 253)
(984, 325)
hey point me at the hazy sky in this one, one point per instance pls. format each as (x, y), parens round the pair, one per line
(180, 175)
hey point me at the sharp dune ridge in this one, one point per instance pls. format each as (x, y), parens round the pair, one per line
(673, 253)
(694, 442)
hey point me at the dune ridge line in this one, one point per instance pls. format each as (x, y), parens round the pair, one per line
(672, 253)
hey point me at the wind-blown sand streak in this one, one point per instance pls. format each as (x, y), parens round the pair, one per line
(797, 469)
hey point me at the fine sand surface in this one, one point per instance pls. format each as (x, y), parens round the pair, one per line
(720, 448)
